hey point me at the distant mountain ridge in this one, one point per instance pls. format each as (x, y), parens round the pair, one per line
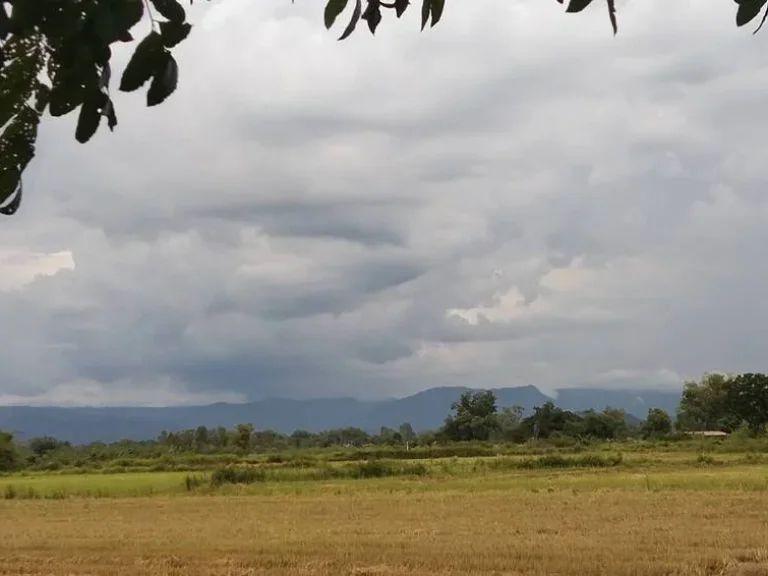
(424, 410)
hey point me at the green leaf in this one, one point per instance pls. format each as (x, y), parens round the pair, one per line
(426, 8)
(437, 11)
(612, 16)
(748, 11)
(5, 23)
(762, 22)
(42, 97)
(24, 17)
(174, 32)
(104, 24)
(170, 10)
(164, 82)
(9, 183)
(65, 96)
(400, 6)
(577, 5)
(105, 76)
(353, 21)
(332, 10)
(125, 15)
(143, 63)
(372, 15)
(10, 180)
(89, 117)
(17, 149)
(109, 112)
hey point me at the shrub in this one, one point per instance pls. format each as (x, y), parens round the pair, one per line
(705, 460)
(372, 469)
(10, 492)
(193, 481)
(231, 475)
(558, 461)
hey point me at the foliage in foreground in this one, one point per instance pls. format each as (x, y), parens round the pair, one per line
(56, 55)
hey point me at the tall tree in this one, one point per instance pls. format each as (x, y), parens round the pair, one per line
(747, 398)
(704, 405)
(657, 423)
(243, 436)
(474, 417)
(8, 454)
(56, 55)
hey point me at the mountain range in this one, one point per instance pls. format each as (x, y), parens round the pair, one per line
(424, 410)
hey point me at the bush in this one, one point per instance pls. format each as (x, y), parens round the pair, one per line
(9, 492)
(372, 469)
(193, 481)
(230, 475)
(382, 469)
(558, 461)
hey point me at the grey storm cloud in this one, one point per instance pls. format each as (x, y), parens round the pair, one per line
(514, 197)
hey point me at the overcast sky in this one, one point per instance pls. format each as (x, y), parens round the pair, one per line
(513, 197)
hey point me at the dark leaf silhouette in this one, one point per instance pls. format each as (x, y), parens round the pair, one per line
(332, 10)
(174, 32)
(577, 5)
(5, 22)
(170, 10)
(612, 16)
(426, 8)
(353, 21)
(90, 116)
(109, 112)
(14, 179)
(437, 11)
(164, 81)
(748, 11)
(143, 63)
(9, 182)
(372, 15)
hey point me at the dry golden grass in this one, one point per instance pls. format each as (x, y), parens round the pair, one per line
(557, 530)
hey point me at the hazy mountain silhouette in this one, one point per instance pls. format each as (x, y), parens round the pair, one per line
(424, 410)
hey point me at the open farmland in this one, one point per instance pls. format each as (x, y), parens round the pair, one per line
(671, 513)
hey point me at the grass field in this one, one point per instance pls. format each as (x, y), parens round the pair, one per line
(667, 515)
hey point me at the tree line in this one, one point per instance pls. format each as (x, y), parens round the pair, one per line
(722, 402)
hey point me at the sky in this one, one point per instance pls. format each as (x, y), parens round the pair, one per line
(513, 197)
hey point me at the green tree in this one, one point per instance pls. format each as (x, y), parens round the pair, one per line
(509, 420)
(300, 438)
(57, 57)
(610, 424)
(747, 400)
(705, 405)
(221, 437)
(8, 454)
(550, 419)
(406, 432)
(474, 417)
(657, 423)
(389, 436)
(243, 436)
(201, 437)
(43, 445)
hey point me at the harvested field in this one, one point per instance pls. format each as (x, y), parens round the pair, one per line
(690, 522)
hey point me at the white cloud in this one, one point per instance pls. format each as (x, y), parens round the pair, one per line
(513, 197)
(20, 267)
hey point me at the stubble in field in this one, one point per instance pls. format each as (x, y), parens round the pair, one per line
(560, 531)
